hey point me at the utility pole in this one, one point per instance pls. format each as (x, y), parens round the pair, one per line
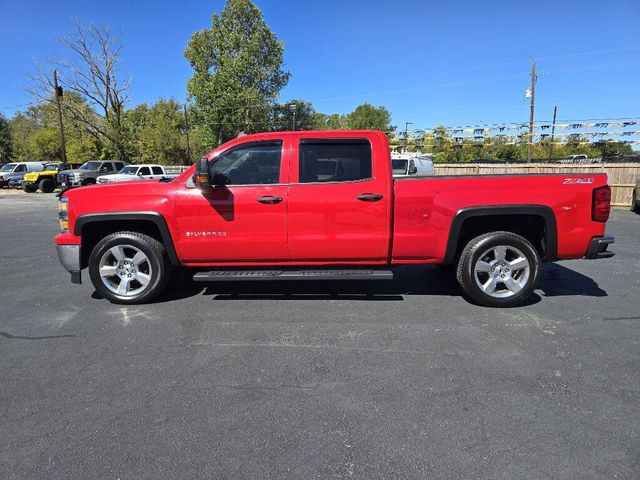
(406, 134)
(534, 77)
(57, 91)
(293, 107)
(186, 131)
(553, 131)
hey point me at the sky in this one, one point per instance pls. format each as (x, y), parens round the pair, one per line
(429, 63)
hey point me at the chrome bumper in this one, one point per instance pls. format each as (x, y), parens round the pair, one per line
(598, 248)
(69, 256)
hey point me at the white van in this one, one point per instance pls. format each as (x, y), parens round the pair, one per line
(411, 164)
(15, 171)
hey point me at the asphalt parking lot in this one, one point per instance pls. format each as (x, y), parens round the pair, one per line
(403, 379)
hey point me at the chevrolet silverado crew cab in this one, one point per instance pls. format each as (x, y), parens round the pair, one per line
(315, 205)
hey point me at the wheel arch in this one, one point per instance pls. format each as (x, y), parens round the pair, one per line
(94, 226)
(467, 216)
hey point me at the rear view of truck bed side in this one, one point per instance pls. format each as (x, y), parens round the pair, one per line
(435, 217)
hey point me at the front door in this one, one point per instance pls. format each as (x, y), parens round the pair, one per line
(244, 221)
(338, 203)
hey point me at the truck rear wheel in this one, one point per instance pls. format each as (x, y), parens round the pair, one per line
(47, 185)
(498, 269)
(129, 267)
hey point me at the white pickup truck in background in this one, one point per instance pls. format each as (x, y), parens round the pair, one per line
(136, 172)
(411, 164)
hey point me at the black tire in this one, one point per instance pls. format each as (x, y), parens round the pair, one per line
(478, 247)
(29, 188)
(47, 185)
(157, 261)
(88, 181)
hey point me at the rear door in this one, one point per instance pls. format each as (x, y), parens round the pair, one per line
(144, 172)
(156, 172)
(339, 201)
(245, 221)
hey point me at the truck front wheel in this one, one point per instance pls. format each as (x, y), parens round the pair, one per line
(498, 269)
(129, 267)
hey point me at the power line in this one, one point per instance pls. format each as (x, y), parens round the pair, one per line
(482, 67)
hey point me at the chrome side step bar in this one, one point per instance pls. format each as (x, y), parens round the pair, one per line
(279, 275)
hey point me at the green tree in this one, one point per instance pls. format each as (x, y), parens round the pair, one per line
(161, 137)
(306, 117)
(6, 141)
(238, 72)
(368, 117)
(612, 149)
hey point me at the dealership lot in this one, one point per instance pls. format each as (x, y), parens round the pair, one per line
(403, 379)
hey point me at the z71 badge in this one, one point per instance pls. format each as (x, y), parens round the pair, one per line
(573, 181)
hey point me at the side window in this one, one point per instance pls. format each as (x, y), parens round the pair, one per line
(144, 171)
(334, 160)
(107, 167)
(157, 170)
(21, 168)
(119, 166)
(251, 164)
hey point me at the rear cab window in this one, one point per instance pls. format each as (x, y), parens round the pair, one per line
(157, 170)
(334, 160)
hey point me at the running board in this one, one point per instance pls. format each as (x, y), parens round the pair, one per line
(278, 275)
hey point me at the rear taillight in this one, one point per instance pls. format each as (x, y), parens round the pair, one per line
(601, 204)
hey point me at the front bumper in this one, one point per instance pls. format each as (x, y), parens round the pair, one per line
(69, 256)
(598, 248)
(68, 183)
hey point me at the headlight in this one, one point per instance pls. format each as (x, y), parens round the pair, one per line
(63, 214)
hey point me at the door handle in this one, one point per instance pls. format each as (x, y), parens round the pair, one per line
(270, 200)
(370, 197)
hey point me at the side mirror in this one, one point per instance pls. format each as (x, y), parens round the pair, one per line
(413, 170)
(220, 180)
(202, 178)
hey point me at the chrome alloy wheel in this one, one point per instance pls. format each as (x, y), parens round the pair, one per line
(125, 270)
(501, 271)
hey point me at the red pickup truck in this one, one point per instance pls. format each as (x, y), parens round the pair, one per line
(315, 205)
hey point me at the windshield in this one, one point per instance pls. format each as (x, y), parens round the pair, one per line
(90, 166)
(128, 170)
(399, 167)
(51, 168)
(8, 167)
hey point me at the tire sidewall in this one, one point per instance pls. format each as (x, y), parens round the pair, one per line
(47, 185)
(158, 267)
(513, 241)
